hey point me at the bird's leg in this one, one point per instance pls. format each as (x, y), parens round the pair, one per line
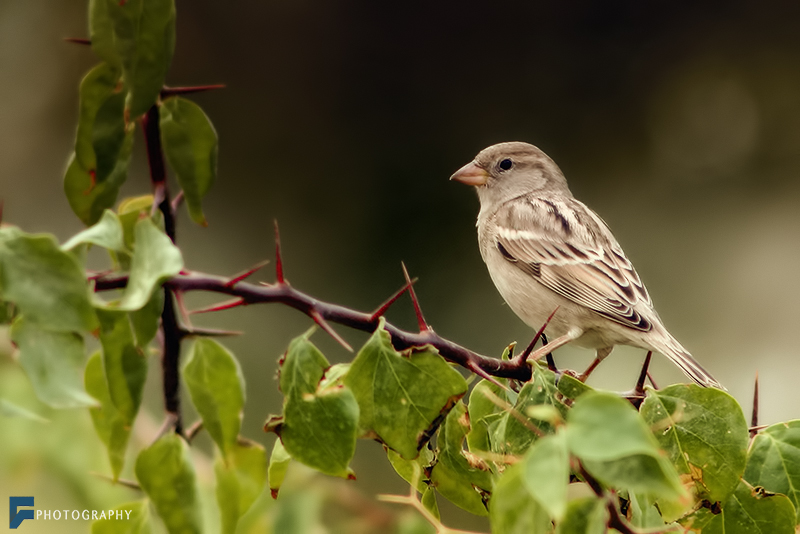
(599, 357)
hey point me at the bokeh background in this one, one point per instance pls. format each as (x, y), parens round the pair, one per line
(678, 122)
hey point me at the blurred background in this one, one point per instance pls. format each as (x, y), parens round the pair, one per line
(679, 123)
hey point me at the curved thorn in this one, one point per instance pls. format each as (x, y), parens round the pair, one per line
(320, 320)
(173, 91)
(423, 325)
(228, 304)
(278, 260)
(754, 418)
(383, 308)
(78, 40)
(244, 274)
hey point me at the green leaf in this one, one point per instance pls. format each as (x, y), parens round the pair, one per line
(643, 512)
(112, 427)
(125, 366)
(774, 461)
(402, 398)
(512, 509)
(155, 260)
(586, 515)
(101, 32)
(144, 40)
(319, 425)
(704, 434)
(606, 433)
(96, 88)
(145, 320)
(136, 520)
(571, 387)
(546, 474)
(428, 500)
(413, 471)
(166, 474)
(53, 362)
(485, 408)
(240, 479)
(106, 233)
(515, 432)
(461, 477)
(47, 284)
(9, 409)
(216, 384)
(87, 198)
(108, 135)
(130, 211)
(279, 462)
(190, 144)
(750, 511)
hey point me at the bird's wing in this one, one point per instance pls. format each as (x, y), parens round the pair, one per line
(570, 250)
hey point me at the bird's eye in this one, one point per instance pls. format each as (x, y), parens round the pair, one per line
(505, 164)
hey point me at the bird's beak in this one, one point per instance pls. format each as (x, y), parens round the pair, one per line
(471, 174)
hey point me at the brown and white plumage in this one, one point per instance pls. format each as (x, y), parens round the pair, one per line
(544, 249)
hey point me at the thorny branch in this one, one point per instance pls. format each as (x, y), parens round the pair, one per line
(246, 293)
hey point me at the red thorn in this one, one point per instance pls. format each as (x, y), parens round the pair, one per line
(222, 306)
(391, 300)
(278, 259)
(241, 276)
(529, 349)
(639, 390)
(423, 325)
(92, 182)
(472, 366)
(274, 493)
(320, 320)
(173, 91)
(182, 308)
(653, 382)
(177, 201)
(754, 418)
(78, 40)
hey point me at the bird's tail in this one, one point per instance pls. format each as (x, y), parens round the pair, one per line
(681, 357)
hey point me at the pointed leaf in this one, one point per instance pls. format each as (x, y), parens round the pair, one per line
(606, 433)
(155, 260)
(240, 479)
(47, 284)
(216, 384)
(145, 320)
(546, 474)
(279, 462)
(402, 398)
(465, 482)
(704, 432)
(483, 412)
(774, 461)
(413, 471)
(586, 515)
(53, 362)
(96, 87)
(86, 196)
(319, 423)
(166, 474)
(144, 40)
(106, 233)
(125, 366)
(190, 144)
(749, 511)
(101, 32)
(109, 423)
(512, 509)
(108, 135)
(9, 409)
(515, 432)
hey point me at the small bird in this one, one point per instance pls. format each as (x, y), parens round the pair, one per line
(545, 250)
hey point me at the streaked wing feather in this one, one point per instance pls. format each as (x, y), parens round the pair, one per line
(571, 251)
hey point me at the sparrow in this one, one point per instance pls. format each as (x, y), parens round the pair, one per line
(547, 251)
